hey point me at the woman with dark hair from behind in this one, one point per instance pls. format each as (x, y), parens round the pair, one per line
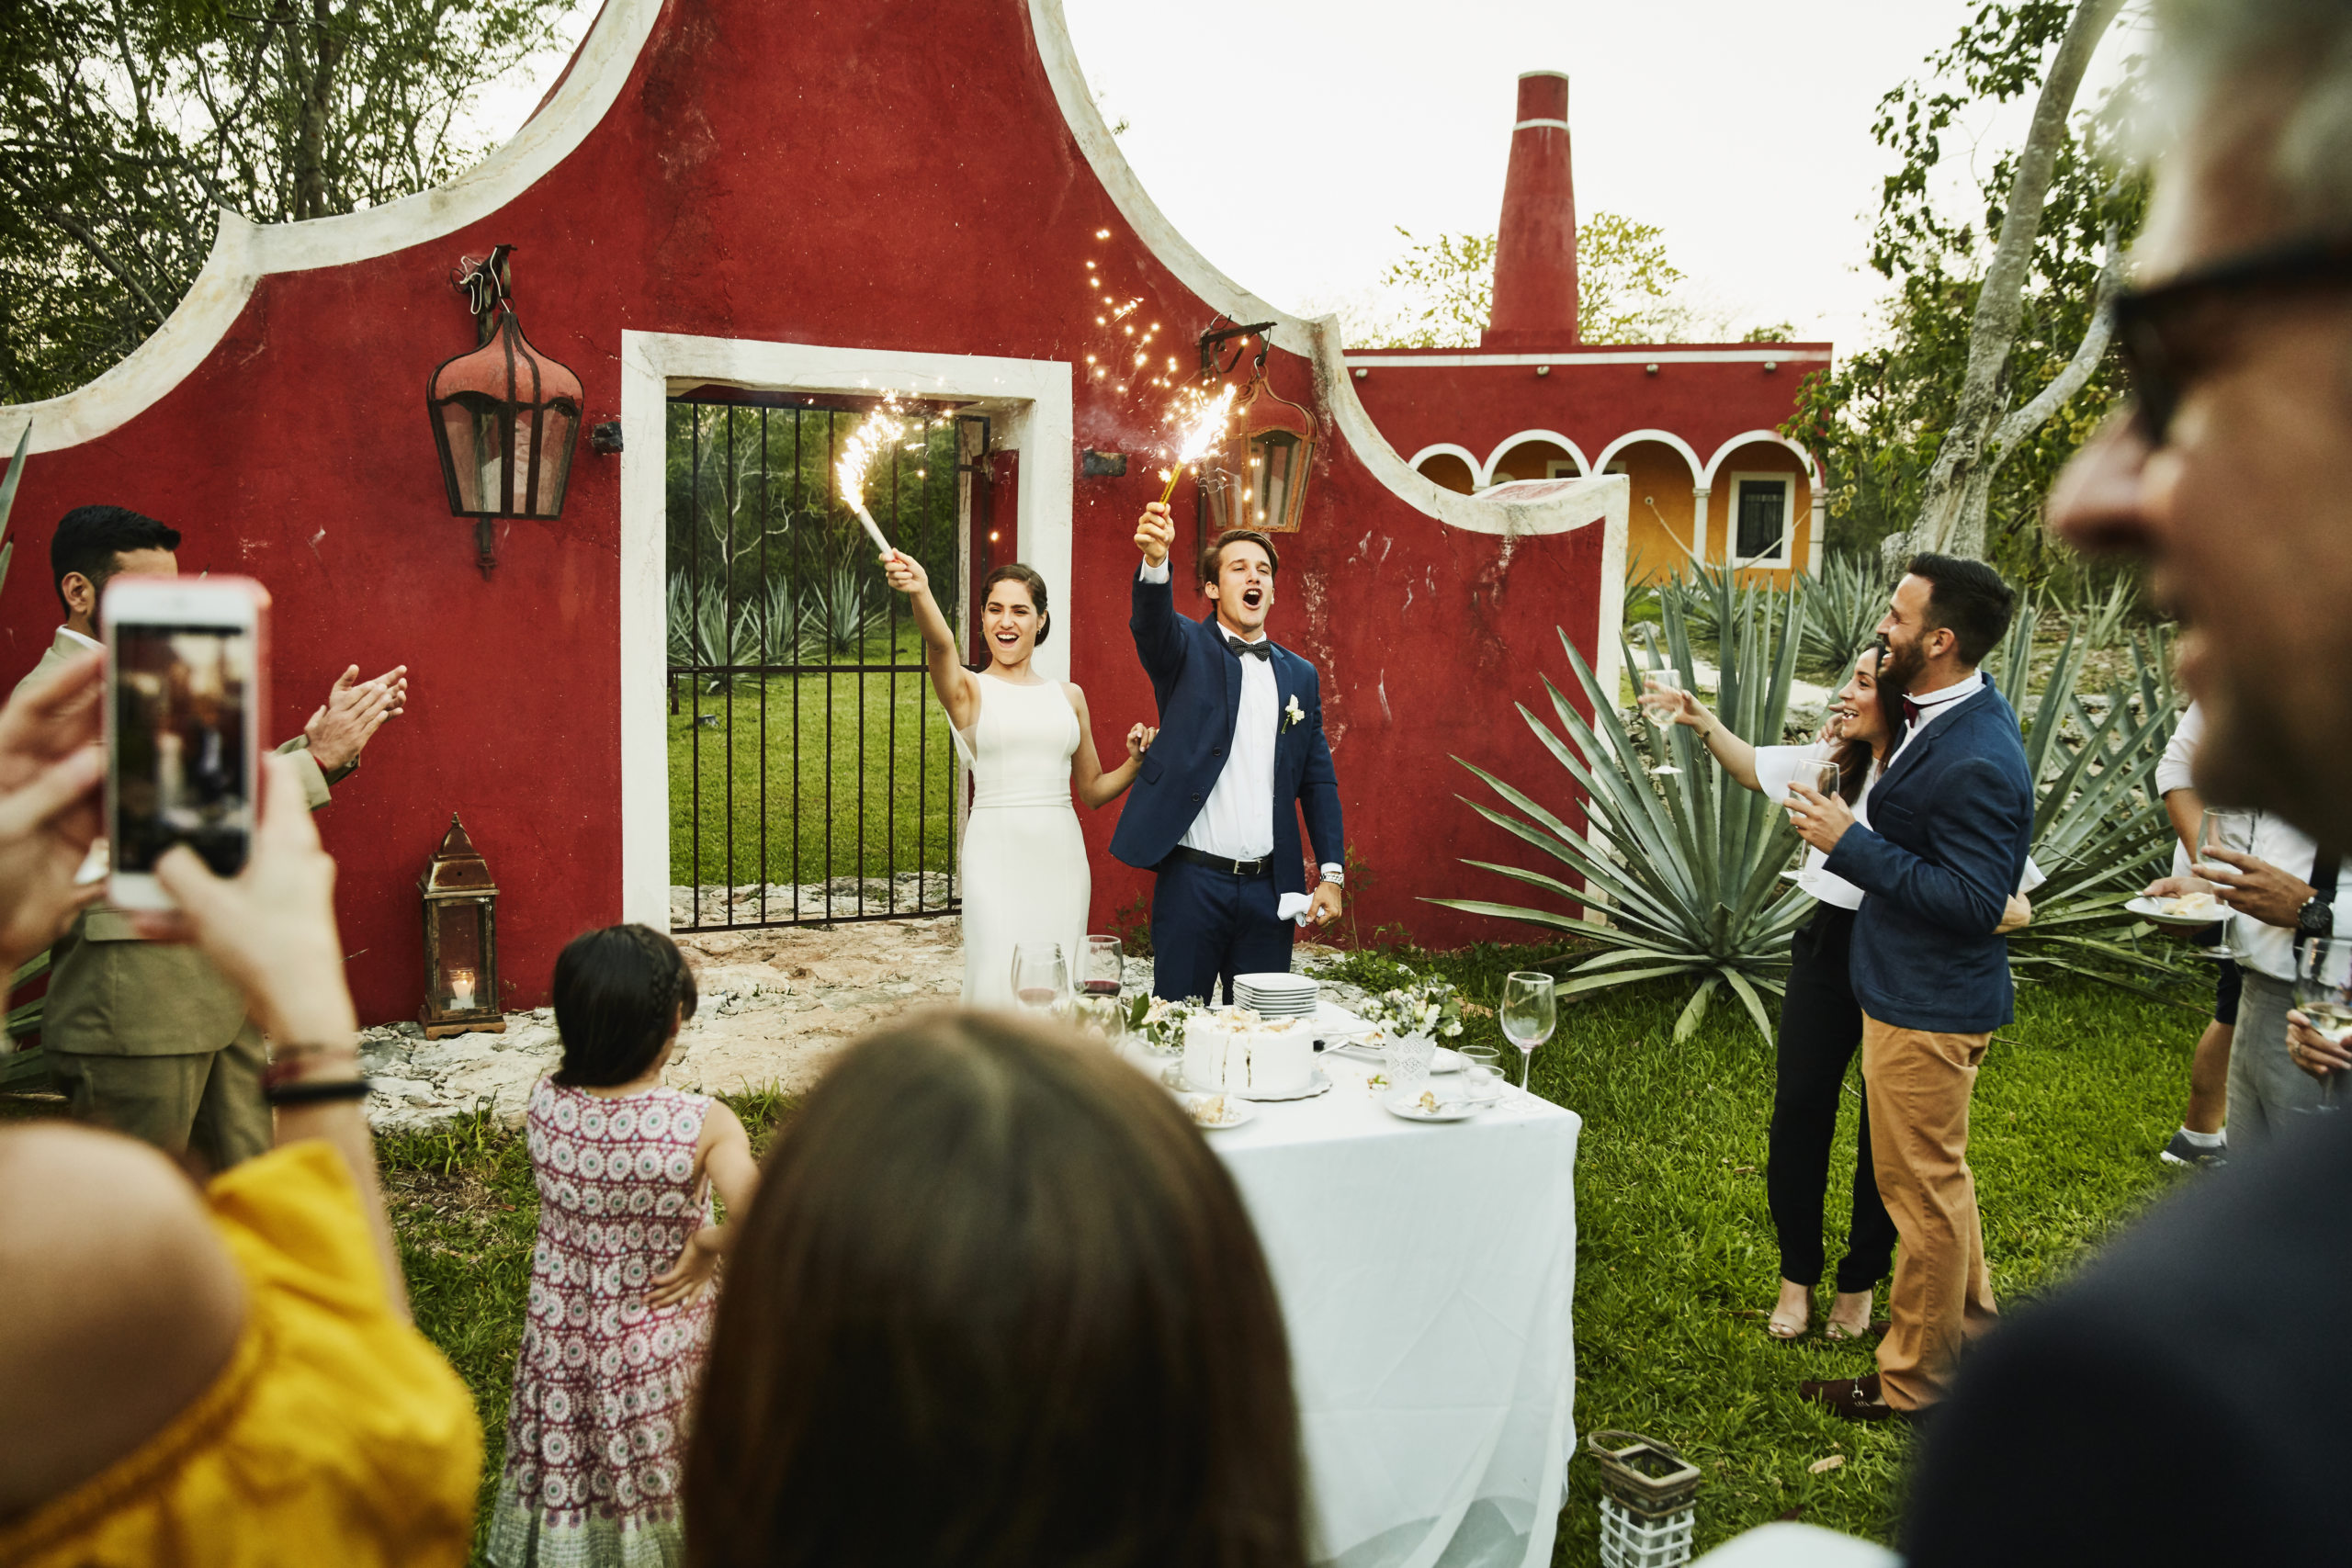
(1027, 740)
(620, 1309)
(997, 1304)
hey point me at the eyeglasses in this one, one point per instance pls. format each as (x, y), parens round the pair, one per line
(2170, 334)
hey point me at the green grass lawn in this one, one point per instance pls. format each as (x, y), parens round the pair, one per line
(1676, 1266)
(893, 804)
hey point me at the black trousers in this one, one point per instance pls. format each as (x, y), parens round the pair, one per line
(1208, 926)
(1821, 1028)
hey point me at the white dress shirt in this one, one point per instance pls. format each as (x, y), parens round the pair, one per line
(84, 641)
(1237, 822)
(1935, 704)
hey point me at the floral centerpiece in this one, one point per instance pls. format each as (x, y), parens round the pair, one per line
(1425, 1004)
(1160, 1023)
(1413, 1016)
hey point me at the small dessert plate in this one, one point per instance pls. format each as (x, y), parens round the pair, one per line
(1428, 1105)
(1213, 1112)
(2162, 912)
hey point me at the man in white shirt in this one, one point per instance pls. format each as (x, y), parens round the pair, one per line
(1215, 810)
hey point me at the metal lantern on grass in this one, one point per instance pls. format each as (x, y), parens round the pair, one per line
(460, 940)
(505, 417)
(1648, 1500)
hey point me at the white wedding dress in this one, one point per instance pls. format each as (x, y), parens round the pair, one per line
(1025, 861)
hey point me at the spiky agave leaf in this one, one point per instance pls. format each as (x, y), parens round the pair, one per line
(1684, 867)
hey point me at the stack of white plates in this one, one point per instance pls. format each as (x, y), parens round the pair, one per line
(1276, 996)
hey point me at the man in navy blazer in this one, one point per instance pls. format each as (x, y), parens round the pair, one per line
(1949, 825)
(1213, 812)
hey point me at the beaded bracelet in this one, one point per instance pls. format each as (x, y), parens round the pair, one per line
(317, 1091)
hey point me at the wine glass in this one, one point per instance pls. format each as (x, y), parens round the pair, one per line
(2222, 829)
(1820, 777)
(1100, 965)
(2323, 995)
(1663, 681)
(1040, 978)
(1528, 1015)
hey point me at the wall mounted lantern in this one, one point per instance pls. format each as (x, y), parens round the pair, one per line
(460, 940)
(1259, 481)
(505, 417)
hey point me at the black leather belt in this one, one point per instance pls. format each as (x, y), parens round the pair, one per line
(1242, 868)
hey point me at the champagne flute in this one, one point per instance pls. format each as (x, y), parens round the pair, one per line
(2323, 995)
(1530, 1012)
(1040, 978)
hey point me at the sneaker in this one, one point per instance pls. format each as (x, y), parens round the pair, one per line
(2180, 1151)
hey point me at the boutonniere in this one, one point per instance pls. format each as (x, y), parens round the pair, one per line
(1292, 714)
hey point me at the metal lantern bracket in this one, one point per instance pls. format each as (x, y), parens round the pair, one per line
(1216, 336)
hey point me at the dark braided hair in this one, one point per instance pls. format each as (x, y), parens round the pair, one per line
(620, 993)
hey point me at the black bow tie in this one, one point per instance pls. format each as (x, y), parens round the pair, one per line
(1261, 649)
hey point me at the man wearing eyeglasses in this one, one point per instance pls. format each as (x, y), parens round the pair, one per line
(2188, 1398)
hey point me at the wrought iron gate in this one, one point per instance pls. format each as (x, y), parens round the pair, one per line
(812, 776)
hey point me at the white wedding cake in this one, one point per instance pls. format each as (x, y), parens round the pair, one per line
(1233, 1050)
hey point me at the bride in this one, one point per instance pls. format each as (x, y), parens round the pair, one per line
(1027, 740)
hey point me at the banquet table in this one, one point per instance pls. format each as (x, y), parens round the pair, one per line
(1426, 1272)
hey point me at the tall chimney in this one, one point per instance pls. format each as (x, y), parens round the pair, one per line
(1535, 254)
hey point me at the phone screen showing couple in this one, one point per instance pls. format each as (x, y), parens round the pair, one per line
(184, 751)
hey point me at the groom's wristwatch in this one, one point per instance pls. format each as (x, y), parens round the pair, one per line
(2316, 918)
(1332, 873)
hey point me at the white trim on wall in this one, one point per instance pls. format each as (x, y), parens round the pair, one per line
(1031, 399)
(1665, 437)
(1508, 444)
(1780, 559)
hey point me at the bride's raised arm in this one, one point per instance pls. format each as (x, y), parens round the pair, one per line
(954, 684)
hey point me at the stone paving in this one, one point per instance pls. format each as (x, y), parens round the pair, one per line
(775, 1005)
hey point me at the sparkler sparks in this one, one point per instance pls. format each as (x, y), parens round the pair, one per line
(869, 441)
(1203, 424)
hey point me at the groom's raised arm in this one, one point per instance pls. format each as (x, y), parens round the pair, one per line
(1159, 636)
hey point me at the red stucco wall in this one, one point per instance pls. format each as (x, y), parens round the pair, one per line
(881, 173)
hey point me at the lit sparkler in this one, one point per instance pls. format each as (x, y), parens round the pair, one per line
(1199, 435)
(869, 441)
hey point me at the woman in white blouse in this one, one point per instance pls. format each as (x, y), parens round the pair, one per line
(1821, 1025)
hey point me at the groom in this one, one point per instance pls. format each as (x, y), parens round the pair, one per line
(1215, 810)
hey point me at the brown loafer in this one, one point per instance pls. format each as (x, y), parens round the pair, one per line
(1854, 1399)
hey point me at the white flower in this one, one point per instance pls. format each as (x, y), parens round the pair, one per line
(1294, 712)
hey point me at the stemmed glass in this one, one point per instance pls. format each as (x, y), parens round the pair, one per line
(1820, 777)
(2220, 829)
(1663, 681)
(1101, 961)
(1530, 1012)
(1040, 978)
(2323, 995)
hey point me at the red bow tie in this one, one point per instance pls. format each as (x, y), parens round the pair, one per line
(1910, 711)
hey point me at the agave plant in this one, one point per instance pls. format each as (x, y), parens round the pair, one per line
(838, 612)
(1707, 594)
(2098, 618)
(1685, 866)
(1843, 608)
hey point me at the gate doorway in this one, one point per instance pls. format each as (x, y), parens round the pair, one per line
(812, 776)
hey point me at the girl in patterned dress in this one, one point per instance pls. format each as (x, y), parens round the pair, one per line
(621, 1303)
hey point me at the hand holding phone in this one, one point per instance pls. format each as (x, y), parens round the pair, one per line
(186, 678)
(50, 771)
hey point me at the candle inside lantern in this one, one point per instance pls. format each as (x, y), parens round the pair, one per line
(462, 989)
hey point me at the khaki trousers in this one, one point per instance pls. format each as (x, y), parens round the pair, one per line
(1918, 1084)
(208, 1102)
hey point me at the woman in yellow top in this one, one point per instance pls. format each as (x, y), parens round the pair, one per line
(224, 1377)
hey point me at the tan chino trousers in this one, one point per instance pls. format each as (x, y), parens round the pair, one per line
(1918, 1084)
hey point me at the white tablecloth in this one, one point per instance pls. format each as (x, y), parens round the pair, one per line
(1426, 1274)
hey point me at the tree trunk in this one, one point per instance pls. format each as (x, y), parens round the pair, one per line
(1960, 486)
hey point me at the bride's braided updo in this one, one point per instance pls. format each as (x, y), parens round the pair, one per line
(620, 994)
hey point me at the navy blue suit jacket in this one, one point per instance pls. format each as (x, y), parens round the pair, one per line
(1197, 680)
(1951, 824)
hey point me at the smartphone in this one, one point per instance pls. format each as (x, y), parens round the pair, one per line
(186, 671)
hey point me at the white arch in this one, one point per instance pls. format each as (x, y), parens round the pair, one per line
(244, 253)
(1445, 449)
(1698, 472)
(1487, 474)
(1812, 467)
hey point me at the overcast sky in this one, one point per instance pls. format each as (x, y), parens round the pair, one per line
(1291, 139)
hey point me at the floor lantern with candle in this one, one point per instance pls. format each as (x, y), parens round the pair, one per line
(1648, 1500)
(460, 940)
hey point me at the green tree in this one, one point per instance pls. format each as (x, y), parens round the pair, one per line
(1440, 293)
(1992, 368)
(125, 124)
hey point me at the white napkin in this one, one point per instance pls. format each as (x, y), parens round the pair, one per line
(1293, 907)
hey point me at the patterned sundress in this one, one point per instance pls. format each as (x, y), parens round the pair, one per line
(595, 1433)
